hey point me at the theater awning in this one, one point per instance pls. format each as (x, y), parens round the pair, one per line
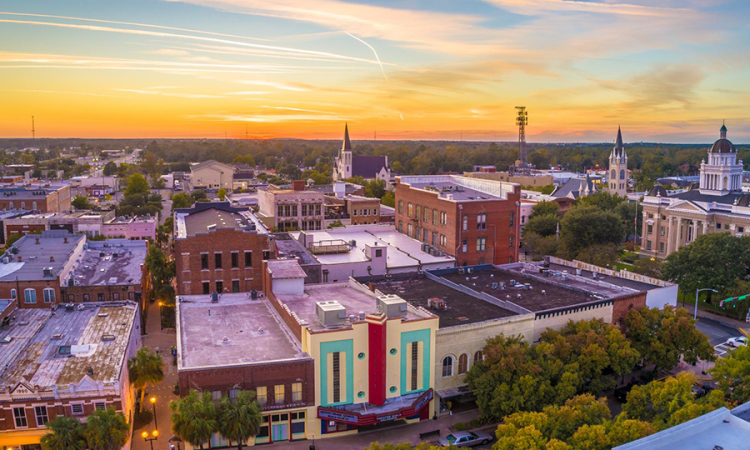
(361, 414)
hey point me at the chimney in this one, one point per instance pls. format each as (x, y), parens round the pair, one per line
(51, 259)
(37, 241)
(298, 185)
(20, 258)
(65, 241)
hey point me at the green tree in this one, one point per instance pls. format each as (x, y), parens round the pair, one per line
(194, 418)
(182, 201)
(624, 430)
(81, 202)
(732, 374)
(145, 368)
(109, 169)
(388, 199)
(544, 208)
(137, 184)
(663, 336)
(539, 245)
(544, 225)
(222, 194)
(240, 419)
(162, 273)
(397, 167)
(106, 430)
(64, 433)
(716, 260)
(583, 226)
(244, 159)
(375, 188)
(602, 255)
(651, 267)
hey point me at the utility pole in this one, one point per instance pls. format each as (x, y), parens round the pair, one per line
(522, 119)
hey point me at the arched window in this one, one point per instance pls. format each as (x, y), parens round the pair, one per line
(23, 205)
(463, 363)
(614, 174)
(622, 174)
(478, 356)
(448, 366)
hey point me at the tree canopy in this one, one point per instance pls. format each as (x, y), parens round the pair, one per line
(588, 225)
(81, 202)
(732, 374)
(145, 368)
(137, 184)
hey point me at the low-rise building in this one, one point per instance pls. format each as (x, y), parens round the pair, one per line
(219, 248)
(135, 228)
(531, 179)
(42, 198)
(212, 175)
(75, 222)
(65, 362)
(236, 341)
(291, 209)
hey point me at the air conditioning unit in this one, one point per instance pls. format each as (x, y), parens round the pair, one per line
(392, 306)
(330, 313)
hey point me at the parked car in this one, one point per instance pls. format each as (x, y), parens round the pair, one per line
(466, 439)
(736, 341)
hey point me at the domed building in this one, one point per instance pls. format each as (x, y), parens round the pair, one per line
(716, 205)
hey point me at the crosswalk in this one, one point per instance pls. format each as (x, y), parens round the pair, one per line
(721, 349)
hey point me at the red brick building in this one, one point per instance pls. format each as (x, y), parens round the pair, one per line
(40, 198)
(219, 248)
(477, 221)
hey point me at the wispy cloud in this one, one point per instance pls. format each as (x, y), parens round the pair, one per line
(168, 94)
(43, 91)
(278, 85)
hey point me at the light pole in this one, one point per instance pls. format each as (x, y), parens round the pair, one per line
(695, 314)
(155, 433)
(153, 406)
(177, 441)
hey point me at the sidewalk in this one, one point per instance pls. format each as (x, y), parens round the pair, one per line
(724, 320)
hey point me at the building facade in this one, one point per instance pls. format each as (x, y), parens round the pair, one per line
(291, 209)
(212, 175)
(42, 198)
(346, 165)
(619, 175)
(476, 221)
(135, 228)
(716, 205)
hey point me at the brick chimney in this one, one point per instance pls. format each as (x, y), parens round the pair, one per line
(298, 185)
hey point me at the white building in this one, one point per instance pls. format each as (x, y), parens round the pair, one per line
(619, 175)
(368, 167)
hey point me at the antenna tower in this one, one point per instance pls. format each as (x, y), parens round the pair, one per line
(33, 130)
(522, 119)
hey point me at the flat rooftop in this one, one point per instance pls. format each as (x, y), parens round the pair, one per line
(288, 247)
(113, 262)
(207, 216)
(461, 308)
(34, 258)
(545, 293)
(354, 300)
(234, 331)
(638, 285)
(33, 355)
(459, 188)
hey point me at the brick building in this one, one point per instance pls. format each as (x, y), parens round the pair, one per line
(234, 342)
(69, 362)
(219, 248)
(37, 197)
(291, 209)
(84, 222)
(477, 221)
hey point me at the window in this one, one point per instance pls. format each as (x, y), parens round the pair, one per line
(718, 226)
(29, 295)
(434, 216)
(206, 287)
(426, 214)
(296, 392)
(267, 254)
(434, 238)
(465, 225)
(465, 246)
(419, 212)
(443, 240)
(41, 415)
(76, 408)
(478, 356)
(512, 218)
(86, 297)
(379, 253)
(336, 377)
(650, 229)
(661, 247)
(355, 213)
(400, 226)
(661, 231)
(217, 260)
(233, 395)
(13, 294)
(235, 260)
(410, 210)
(448, 366)
(248, 259)
(481, 244)
(280, 211)
(481, 221)
(49, 295)
(400, 206)
(409, 229)
(235, 285)
(443, 218)
(740, 229)
(262, 393)
(115, 296)
(204, 261)
(100, 406)
(463, 363)
(414, 365)
(19, 414)
(219, 287)
(511, 241)
(648, 245)
(100, 296)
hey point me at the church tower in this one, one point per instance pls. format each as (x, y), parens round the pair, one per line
(721, 173)
(618, 168)
(344, 159)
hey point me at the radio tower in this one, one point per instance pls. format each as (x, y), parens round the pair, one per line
(522, 119)
(33, 131)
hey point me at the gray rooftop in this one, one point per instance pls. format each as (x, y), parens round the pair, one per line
(33, 353)
(285, 268)
(204, 217)
(289, 247)
(114, 262)
(51, 251)
(234, 331)
(460, 189)
(638, 285)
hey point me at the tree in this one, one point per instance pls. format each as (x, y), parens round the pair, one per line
(544, 225)
(388, 199)
(716, 260)
(81, 202)
(540, 246)
(663, 336)
(137, 184)
(583, 226)
(222, 194)
(651, 267)
(145, 368)
(194, 418)
(106, 430)
(544, 208)
(240, 419)
(375, 188)
(244, 159)
(599, 254)
(291, 171)
(109, 169)
(162, 272)
(182, 201)
(732, 373)
(64, 433)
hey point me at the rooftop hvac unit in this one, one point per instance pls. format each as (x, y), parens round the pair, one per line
(436, 303)
(469, 270)
(461, 271)
(214, 297)
(392, 306)
(330, 313)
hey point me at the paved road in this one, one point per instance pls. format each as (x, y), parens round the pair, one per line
(717, 332)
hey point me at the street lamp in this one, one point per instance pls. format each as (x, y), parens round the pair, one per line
(695, 314)
(145, 437)
(153, 406)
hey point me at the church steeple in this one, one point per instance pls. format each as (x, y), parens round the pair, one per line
(618, 167)
(347, 143)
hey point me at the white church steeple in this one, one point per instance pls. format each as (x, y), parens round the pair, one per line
(618, 168)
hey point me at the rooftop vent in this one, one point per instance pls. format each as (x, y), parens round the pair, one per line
(436, 303)
(330, 313)
(102, 315)
(89, 370)
(6, 340)
(108, 337)
(56, 337)
(392, 306)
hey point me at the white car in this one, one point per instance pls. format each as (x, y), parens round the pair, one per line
(736, 341)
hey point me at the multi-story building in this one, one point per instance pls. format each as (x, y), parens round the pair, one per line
(42, 198)
(212, 175)
(717, 205)
(373, 355)
(291, 209)
(219, 248)
(65, 362)
(84, 222)
(476, 221)
(135, 228)
(531, 179)
(235, 341)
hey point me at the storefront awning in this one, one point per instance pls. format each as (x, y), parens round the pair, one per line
(361, 414)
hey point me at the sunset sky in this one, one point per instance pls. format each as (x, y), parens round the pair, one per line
(666, 70)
